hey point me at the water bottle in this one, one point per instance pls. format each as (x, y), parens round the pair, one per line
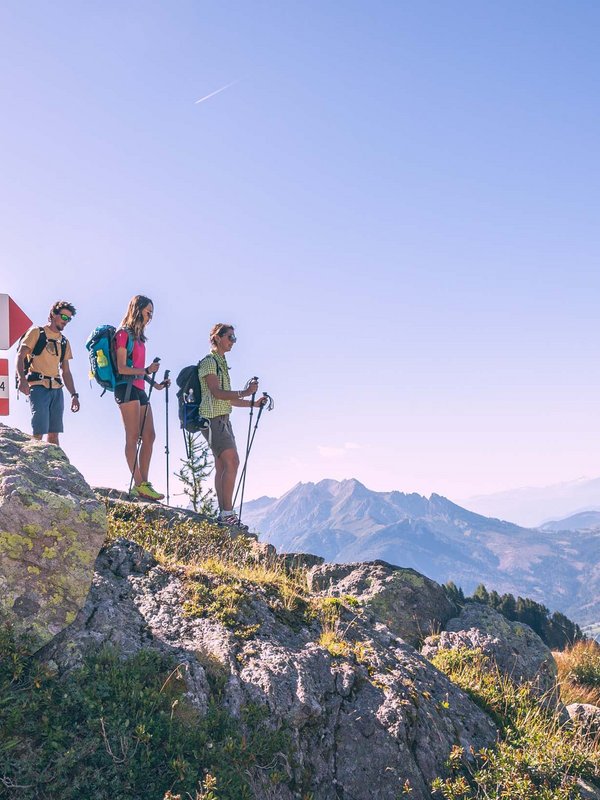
(101, 359)
(190, 396)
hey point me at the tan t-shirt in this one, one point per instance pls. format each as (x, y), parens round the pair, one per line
(48, 361)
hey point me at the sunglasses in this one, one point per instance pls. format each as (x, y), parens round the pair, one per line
(65, 317)
(232, 337)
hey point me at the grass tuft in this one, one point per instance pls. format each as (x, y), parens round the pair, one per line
(537, 757)
(579, 673)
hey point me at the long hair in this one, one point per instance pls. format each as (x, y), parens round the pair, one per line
(219, 330)
(133, 319)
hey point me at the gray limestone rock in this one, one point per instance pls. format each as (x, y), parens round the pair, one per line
(586, 716)
(514, 647)
(51, 530)
(409, 604)
(360, 724)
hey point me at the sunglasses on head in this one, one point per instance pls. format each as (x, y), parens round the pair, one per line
(65, 317)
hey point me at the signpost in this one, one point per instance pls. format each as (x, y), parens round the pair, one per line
(13, 324)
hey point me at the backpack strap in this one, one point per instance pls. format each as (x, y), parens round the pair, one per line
(219, 370)
(38, 347)
(42, 341)
(128, 379)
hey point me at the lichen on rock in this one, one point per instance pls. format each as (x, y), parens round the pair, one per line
(51, 529)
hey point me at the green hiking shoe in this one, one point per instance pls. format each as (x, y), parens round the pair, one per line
(134, 492)
(146, 491)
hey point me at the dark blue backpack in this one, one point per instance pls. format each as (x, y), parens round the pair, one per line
(189, 398)
(100, 345)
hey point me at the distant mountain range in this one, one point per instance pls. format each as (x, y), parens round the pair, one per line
(584, 521)
(533, 506)
(344, 522)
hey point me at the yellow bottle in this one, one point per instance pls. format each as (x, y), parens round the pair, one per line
(101, 359)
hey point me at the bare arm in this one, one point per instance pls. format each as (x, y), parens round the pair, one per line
(68, 377)
(70, 384)
(123, 369)
(259, 401)
(234, 397)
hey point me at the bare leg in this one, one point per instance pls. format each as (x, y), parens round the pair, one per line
(131, 414)
(53, 438)
(148, 437)
(226, 467)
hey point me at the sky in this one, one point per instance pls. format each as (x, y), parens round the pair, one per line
(395, 203)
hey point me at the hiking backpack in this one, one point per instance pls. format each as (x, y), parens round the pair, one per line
(100, 345)
(189, 398)
(37, 349)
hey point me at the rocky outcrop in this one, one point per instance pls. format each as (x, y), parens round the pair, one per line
(361, 724)
(406, 602)
(513, 647)
(51, 530)
(586, 716)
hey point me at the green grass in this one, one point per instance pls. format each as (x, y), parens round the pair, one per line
(536, 758)
(174, 542)
(120, 730)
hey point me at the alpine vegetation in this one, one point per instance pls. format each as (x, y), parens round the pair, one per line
(204, 664)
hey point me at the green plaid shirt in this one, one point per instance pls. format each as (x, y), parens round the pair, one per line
(210, 407)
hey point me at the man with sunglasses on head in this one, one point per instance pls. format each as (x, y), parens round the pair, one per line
(216, 402)
(42, 370)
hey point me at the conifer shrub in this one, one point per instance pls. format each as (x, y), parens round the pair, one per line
(556, 630)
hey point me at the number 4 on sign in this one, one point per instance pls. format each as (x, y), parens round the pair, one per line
(3, 387)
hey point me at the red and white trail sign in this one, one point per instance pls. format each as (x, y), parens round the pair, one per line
(13, 322)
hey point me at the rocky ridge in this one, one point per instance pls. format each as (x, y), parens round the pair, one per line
(336, 666)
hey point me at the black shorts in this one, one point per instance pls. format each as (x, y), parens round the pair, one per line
(134, 394)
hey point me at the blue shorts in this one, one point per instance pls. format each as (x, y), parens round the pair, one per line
(47, 408)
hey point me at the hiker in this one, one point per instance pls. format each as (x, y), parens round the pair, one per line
(42, 370)
(217, 400)
(130, 347)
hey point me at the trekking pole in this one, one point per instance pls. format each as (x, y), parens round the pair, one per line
(139, 442)
(270, 405)
(243, 475)
(165, 379)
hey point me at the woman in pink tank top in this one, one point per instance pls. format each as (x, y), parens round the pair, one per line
(131, 396)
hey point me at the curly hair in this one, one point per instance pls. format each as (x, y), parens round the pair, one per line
(59, 306)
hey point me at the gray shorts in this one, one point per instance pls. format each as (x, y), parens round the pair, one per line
(220, 436)
(47, 409)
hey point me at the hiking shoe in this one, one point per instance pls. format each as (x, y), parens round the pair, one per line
(148, 492)
(232, 521)
(134, 492)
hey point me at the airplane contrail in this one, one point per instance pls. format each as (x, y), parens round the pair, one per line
(212, 94)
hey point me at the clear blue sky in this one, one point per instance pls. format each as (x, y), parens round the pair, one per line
(396, 204)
